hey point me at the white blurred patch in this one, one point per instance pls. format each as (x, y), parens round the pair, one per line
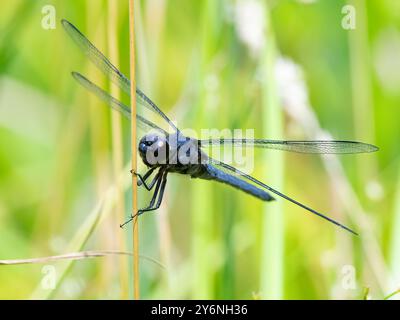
(293, 93)
(374, 190)
(386, 55)
(58, 244)
(249, 19)
(211, 86)
(72, 287)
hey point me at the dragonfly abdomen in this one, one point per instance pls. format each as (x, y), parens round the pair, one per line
(213, 173)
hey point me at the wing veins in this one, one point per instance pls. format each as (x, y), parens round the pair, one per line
(113, 102)
(300, 146)
(112, 72)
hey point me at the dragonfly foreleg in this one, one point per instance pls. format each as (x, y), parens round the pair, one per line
(160, 197)
(142, 179)
(161, 180)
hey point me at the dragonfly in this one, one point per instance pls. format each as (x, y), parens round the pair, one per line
(165, 152)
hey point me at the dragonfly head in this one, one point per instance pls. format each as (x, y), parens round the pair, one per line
(154, 149)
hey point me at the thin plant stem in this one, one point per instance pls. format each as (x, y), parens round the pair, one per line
(136, 292)
(97, 116)
(273, 222)
(153, 22)
(361, 89)
(117, 144)
(394, 253)
(81, 255)
(99, 141)
(391, 295)
(202, 217)
(366, 293)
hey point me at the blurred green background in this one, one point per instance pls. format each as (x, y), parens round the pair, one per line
(288, 69)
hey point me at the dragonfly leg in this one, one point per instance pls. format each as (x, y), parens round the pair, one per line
(160, 197)
(160, 181)
(142, 179)
(152, 183)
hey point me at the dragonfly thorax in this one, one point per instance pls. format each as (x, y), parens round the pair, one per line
(172, 150)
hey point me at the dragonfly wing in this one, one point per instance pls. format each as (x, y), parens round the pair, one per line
(150, 105)
(316, 146)
(105, 66)
(97, 57)
(227, 168)
(114, 103)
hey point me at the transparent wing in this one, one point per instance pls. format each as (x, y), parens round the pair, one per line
(232, 170)
(316, 146)
(105, 66)
(145, 124)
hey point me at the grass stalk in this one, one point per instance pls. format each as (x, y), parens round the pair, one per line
(81, 255)
(202, 197)
(97, 116)
(392, 294)
(362, 90)
(136, 293)
(117, 147)
(394, 256)
(272, 247)
(99, 142)
(151, 27)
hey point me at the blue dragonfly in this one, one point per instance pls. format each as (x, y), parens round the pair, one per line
(169, 151)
